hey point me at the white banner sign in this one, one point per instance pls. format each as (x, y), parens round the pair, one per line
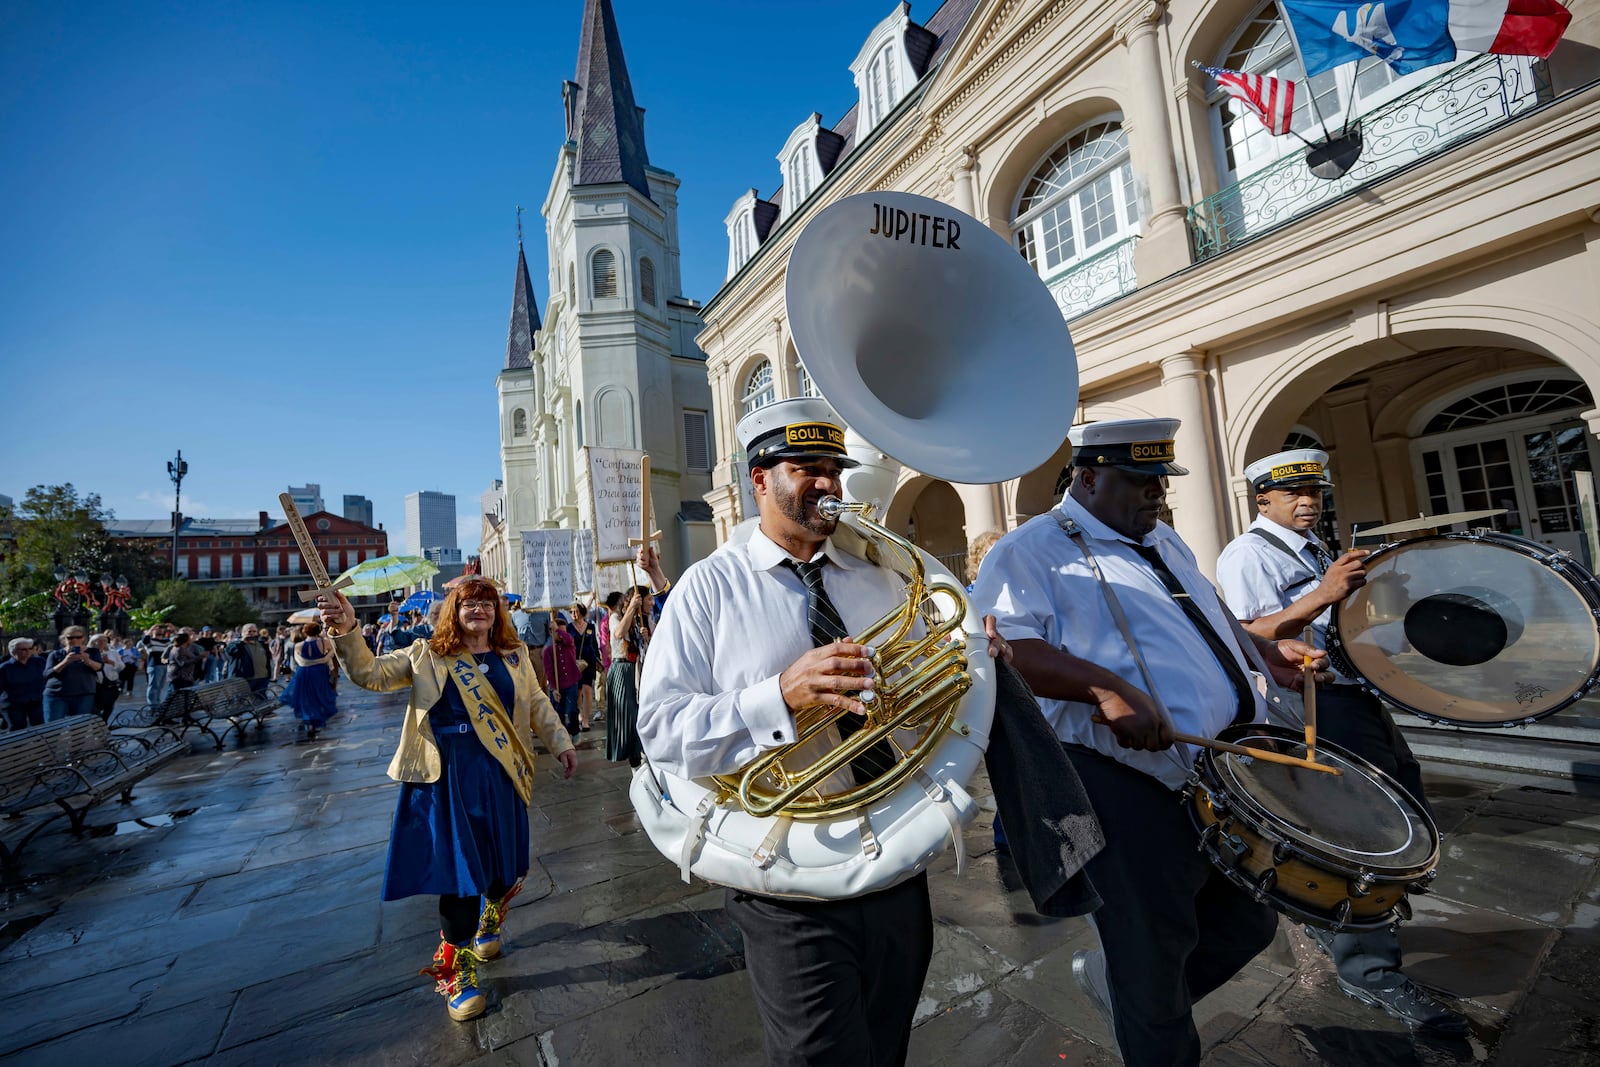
(583, 560)
(547, 579)
(618, 499)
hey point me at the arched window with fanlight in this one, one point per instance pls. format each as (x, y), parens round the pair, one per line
(1079, 201)
(759, 390)
(603, 273)
(519, 423)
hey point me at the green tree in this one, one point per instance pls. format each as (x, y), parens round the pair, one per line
(219, 606)
(54, 527)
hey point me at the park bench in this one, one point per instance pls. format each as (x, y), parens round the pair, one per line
(230, 700)
(168, 719)
(67, 767)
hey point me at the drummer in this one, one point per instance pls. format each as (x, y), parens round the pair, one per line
(1279, 578)
(1172, 927)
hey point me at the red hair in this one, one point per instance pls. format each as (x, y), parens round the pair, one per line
(448, 640)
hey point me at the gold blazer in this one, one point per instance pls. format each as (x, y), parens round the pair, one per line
(417, 758)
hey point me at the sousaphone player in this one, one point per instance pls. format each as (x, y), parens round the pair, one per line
(1279, 578)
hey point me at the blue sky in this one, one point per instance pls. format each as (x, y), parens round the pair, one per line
(281, 236)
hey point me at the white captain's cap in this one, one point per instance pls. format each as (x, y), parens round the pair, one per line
(1143, 446)
(803, 428)
(1297, 466)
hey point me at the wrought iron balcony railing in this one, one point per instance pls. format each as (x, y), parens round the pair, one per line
(1097, 280)
(1462, 102)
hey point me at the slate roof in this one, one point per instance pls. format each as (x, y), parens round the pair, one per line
(191, 527)
(606, 124)
(524, 317)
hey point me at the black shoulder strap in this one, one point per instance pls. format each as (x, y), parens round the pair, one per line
(1291, 553)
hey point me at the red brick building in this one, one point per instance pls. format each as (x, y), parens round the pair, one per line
(258, 557)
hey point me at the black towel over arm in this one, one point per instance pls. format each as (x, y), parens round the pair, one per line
(1051, 827)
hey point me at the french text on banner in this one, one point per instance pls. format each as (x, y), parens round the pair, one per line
(547, 575)
(618, 499)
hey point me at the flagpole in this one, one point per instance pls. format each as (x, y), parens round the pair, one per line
(1311, 92)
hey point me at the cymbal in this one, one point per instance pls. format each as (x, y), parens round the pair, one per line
(1429, 522)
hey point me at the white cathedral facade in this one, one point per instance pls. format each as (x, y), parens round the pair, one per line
(613, 363)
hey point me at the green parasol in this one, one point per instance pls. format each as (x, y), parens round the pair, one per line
(380, 575)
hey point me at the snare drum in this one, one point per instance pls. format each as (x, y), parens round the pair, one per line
(1479, 629)
(1339, 852)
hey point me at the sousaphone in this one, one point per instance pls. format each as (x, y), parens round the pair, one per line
(938, 344)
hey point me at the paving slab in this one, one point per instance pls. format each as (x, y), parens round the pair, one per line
(230, 914)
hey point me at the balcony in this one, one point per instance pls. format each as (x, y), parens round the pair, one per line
(1097, 280)
(1459, 104)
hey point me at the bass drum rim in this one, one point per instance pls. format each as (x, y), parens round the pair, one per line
(1559, 563)
(920, 824)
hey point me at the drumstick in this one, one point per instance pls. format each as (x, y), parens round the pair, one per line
(1309, 675)
(1256, 753)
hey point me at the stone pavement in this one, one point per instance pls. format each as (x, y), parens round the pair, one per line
(230, 915)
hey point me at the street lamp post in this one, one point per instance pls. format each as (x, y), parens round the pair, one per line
(176, 469)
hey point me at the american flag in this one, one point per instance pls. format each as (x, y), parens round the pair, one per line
(1270, 99)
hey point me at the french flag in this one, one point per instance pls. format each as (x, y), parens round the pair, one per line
(1508, 27)
(1412, 35)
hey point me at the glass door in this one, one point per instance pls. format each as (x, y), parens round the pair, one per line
(1553, 455)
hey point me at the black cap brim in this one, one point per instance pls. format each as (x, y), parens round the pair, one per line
(1162, 469)
(770, 458)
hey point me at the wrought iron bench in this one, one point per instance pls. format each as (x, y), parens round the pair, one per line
(230, 700)
(71, 765)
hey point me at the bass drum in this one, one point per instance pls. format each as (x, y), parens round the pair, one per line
(1480, 629)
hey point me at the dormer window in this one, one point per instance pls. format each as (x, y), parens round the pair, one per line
(741, 224)
(801, 170)
(883, 88)
(883, 69)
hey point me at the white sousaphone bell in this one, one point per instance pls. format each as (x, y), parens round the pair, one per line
(938, 344)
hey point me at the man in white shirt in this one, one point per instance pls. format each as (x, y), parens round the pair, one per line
(1279, 578)
(1172, 928)
(751, 634)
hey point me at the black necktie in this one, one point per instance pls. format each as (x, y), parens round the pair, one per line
(1242, 688)
(1324, 560)
(823, 618)
(826, 628)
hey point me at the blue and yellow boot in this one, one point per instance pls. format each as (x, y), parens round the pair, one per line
(487, 942)
(455, 975)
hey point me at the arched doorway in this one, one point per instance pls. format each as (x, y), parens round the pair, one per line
(1040, 489)
(930, 515)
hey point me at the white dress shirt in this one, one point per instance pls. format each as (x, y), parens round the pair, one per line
(1038, 585)
(709, 699)
(1256, 577)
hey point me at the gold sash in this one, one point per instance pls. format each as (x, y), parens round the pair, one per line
(493, 725)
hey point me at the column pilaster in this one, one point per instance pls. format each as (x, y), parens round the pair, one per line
(1197, 512)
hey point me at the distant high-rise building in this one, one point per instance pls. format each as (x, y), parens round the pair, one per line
(444, 557)
(308, 498)
(430, 520)
(358, 509)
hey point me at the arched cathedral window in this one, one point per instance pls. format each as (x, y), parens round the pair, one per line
(1080, 200)
(519, 423)
(647, 281)
(759, 390)
(603, 273)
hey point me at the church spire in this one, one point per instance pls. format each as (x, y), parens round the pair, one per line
(524, 313)
(602, 119)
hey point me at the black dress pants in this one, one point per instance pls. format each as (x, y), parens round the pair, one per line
(837, 981)
(1352, 718)
(1172, 926)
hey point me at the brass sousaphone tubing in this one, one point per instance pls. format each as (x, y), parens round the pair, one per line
(919, 685)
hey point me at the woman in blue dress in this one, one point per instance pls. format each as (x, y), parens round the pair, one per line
(310, 690)
(465, 764)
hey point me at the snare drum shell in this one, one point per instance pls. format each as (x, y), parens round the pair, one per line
(1264, 855)
(1539, 616)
